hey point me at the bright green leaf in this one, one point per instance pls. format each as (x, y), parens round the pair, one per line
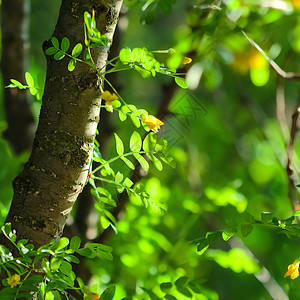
(119, 145)
(77, 50)
(135, 142)
(109, 293)
(59, 55)
(125, 56)
(181, 82)
(128, 163)
(29, 79)
(75, 243)
(143, 162)
(72, 65)
(65, 44)
(55, 42)
(51, 51)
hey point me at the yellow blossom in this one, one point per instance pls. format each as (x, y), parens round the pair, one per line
(93, 295)
(293, 270)
(152, 122)
(14, 280)
(296, 3)
(186, 60)
(109, 98)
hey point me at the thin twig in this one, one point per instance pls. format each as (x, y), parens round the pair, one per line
(290, 149)
(278, 70)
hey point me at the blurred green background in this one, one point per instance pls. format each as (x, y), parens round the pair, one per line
(229, 147)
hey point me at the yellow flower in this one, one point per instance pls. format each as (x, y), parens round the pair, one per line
(14, 280)
(186, 60)
(296, 3)
(93, 295)
(152, 122)
(109, 98)
(293, 270)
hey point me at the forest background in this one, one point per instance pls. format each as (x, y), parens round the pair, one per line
(230, 135)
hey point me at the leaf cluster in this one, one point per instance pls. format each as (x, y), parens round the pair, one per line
(46, 271)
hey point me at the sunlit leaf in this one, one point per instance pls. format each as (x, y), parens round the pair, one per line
(143, 162)
(135, 142)
(77, 50)
(181, 82)
(119, 145)
(65, 44)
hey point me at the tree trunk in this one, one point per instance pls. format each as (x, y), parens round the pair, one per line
(14, 25)
(56, 172)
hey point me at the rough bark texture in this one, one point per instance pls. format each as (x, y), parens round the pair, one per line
(56, 172)
(14, 25)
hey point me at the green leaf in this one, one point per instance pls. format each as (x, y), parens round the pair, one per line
(170, 297)
(33, 91)
(297, 213)
(149, 142)
(108, 200)
(65, 44)
(108, 293)
(18, 84)
(137, 55)
(246, 229)
(181, 82)
(88, 20)
(128, 183)
(143, 162)
(157, 163)
(119, 145)
(181, 281)
(103, 191)
(59, 55)
(119, 177)
(51, 51)
(185, 291)
(77, 50)
(228, 233)
(166, 286)
(266, 217)
(125, 56)
(29, 79)
(122, 116)
(65, 267)
(143, 72)
(87, 252)
(75, 243)
(169, 161)
(204, 243)
(196, 286)
(150, 293)
(136, 121)
(128, 163)
(60, 244)
(72, 65)
(55, 42)
(35, 279)
(55, 263)
(135, 142)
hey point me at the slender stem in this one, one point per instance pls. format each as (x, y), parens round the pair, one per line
(116, 158)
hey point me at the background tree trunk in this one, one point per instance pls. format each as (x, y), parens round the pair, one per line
(56, 172)
(15, 46)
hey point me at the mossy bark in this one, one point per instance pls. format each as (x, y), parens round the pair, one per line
(45, 191)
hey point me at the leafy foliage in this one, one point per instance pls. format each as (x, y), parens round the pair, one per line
(230, 194)
(46, 271)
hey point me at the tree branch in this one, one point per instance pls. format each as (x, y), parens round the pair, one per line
(45, 191)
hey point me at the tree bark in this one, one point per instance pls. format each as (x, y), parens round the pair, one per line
(15, 45)
(56, 172)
